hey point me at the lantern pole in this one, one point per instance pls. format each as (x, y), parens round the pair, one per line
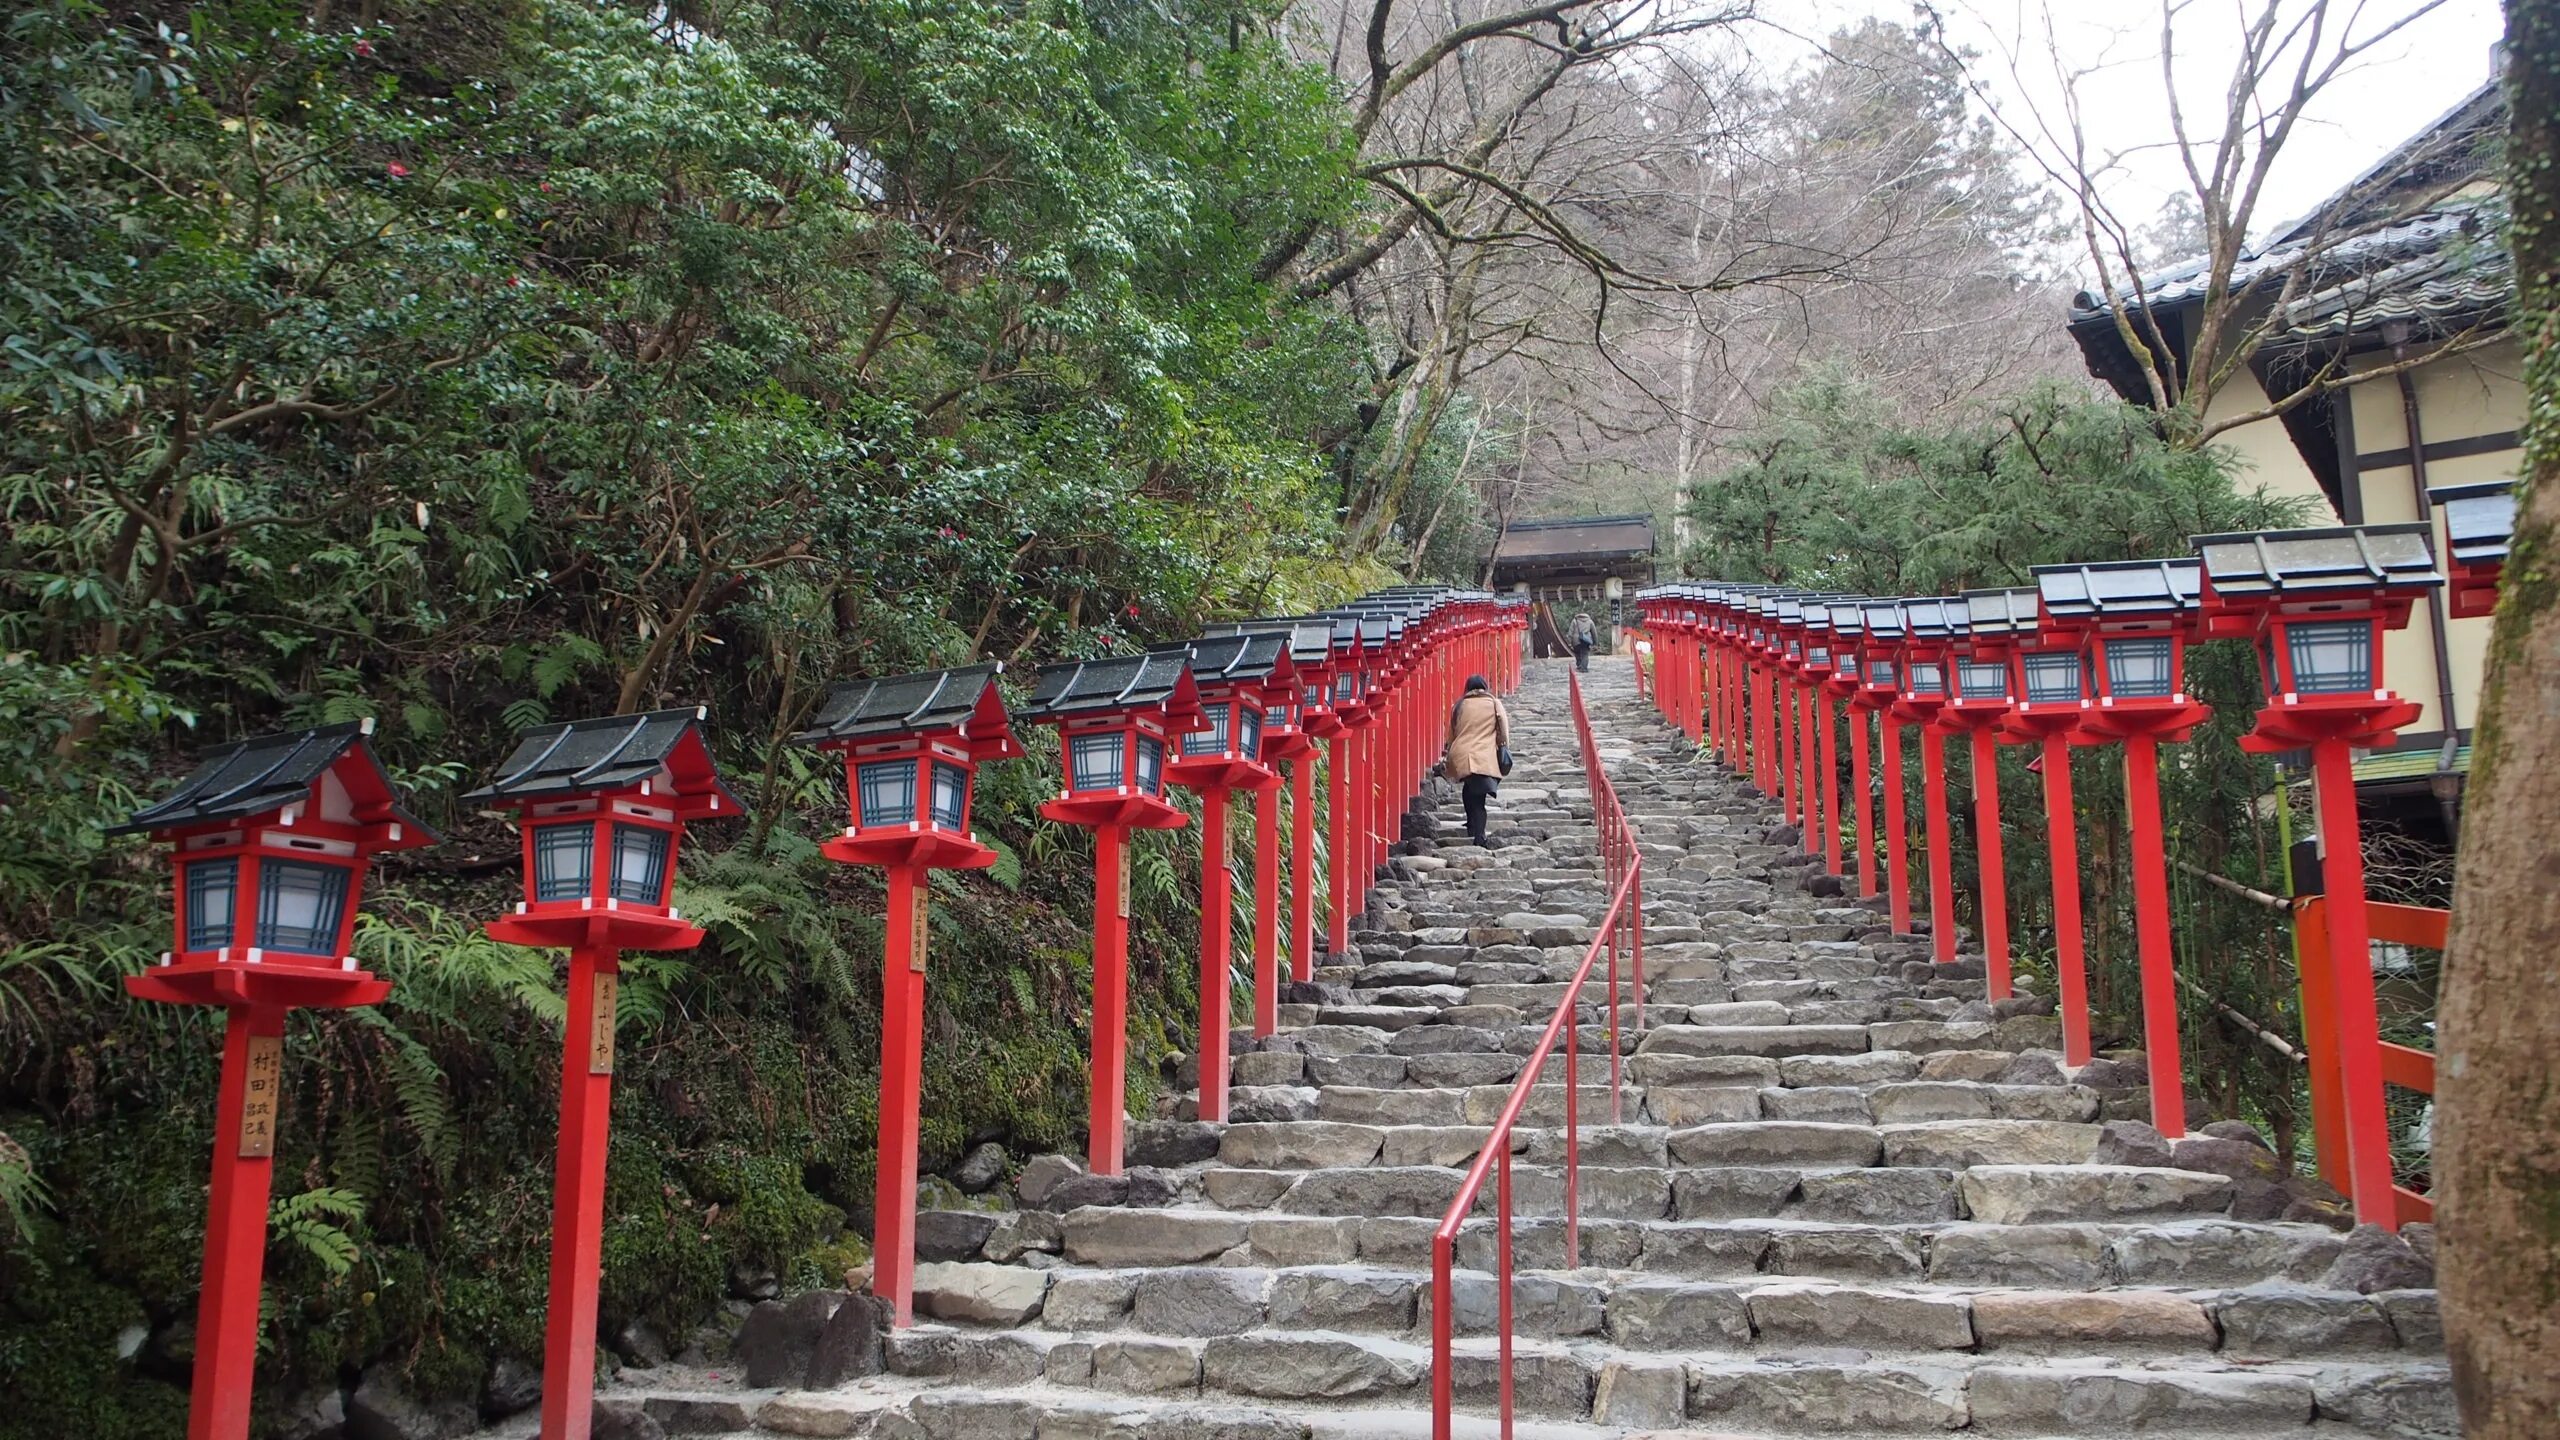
(1897, 826)
(1337, 793)
(1987, 849)
(901, 1089)
(1860, 781)
(1106, 1116)
(1942, 887)
(1302, 857)
(2062, 844)
(577, 1192)
(2359, 1044)
(235, 1230)
(1828, 762)
(2151, 927)
(1782, 692)
(1217, 901)
(1808, 751)
(1266, 909)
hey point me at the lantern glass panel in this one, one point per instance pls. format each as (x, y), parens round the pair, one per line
(1795, 649)
(2053, 677)
(1983, 679)
(1819, 655)
(1212, 741)
(1881, 672)
(211, 886)
(1346, 686)
(1314, 695)
(1097, 761)
(299, 905)
(1150, 765)
(950, 794)
(1928, 678)
(2138, 666)
(1248, 732)
(888, 792)
(1849, 664)
(564, 861)
(640, 860)
(2331, 657)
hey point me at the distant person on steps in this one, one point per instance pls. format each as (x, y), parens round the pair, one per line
(1479, 731)
(1585, 635)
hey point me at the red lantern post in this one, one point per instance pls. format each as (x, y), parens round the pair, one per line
(2136, 617)
(2047, 679)
(1830, 657)
(272, 837)
(1847, 683)
(1115, 718)
(601, 808)
(1928, 684)
(1881, 653)
(1983, 701)
(2317, 603)
(912, 745)
(1240, 678)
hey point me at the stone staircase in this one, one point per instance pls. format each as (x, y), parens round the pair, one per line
(1847, 1196)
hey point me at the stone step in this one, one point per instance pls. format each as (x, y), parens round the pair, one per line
(1763, 1223)
(1771, 1311)
(1821, 1391)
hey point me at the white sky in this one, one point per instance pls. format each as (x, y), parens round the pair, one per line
(2401, 85)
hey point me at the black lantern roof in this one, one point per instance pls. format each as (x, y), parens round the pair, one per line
(2002, 612)
(1936, 617)
(2363, 558)
(1848, 616)
(2121, 589)
(1115, 682)
(611, 752)
(965, 700)
(268, 772)
(1885, 620)
(1310, 637)
(1238, 659)
(2479, 520)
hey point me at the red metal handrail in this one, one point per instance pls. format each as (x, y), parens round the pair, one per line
(1622, 866)
(2333, 1138)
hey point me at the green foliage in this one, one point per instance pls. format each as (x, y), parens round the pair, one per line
(513, 360)
(315, 1222)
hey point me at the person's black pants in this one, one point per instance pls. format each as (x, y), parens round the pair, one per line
(1582, 658)
(1476, 790)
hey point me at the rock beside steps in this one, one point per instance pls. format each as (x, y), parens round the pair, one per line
(1841, 1193)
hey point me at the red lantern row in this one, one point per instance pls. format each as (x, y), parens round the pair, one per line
(2094, 654)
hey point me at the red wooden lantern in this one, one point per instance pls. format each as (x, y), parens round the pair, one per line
(2316, 602)
(2479, 523)
(1928, 687)
(272, 837)
(1359, 645)
(2133, 619)
(1291, 727)
(1846, 632)
(1822, 660)
(1117, 719)
(602, 807)
(1242, 679)
(2049, 698)
(912, 745)
(1983, 700)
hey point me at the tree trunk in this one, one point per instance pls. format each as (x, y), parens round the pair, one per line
(2498, 1118)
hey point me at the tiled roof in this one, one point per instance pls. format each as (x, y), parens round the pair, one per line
(901, 704)
(1610, 535)
(2120, 588)
(2288, 562)
(265, 773)
(612, 752)
(1233, 658)
(1114, 682)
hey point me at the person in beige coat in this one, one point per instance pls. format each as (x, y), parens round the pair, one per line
(1479, 739)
